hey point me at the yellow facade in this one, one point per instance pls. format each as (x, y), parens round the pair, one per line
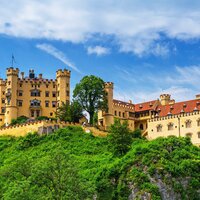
(159, 118)
(32, 96)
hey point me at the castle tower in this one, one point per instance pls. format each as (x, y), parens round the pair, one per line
(11, 94)
(2, 101)
(63, 86)
(165, 99)
(108, 116)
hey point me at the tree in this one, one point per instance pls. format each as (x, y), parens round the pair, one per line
(70, 112)
(76, 111)
(20, 120)
(120, 137)
(91, 95)
(63, 112)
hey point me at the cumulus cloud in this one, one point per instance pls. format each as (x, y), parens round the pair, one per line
(137, 26)
(98, 50)
(57, 54)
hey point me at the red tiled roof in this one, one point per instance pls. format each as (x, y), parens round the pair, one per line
(138, 107)
(145, 106)
(177, 108)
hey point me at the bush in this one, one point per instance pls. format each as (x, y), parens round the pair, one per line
(19, 120)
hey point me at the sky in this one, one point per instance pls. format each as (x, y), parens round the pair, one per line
(145, 48)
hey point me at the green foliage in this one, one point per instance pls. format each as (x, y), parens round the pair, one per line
(70, 112)
(19, 120)
(91, 95)
(40, 118)
(70, 164)
(120, 137)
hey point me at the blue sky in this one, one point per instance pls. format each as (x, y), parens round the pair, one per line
(145, 47)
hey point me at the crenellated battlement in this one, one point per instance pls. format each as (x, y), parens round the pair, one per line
(2, 82)
(12, 71)
(109, 85)
(63, 73)
(162, 96)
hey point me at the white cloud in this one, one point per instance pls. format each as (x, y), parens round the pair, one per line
(137, 26)
(57, 54)
(98, 50)
(182, 83)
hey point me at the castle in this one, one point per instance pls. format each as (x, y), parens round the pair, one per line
(162, 117)
(32, 96)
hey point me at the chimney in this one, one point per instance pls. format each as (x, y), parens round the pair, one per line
(130, 101)
(22, 75)
(40, 76)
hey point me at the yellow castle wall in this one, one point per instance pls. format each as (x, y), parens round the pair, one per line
(179, 122)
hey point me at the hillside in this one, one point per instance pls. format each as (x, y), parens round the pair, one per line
(70, 164)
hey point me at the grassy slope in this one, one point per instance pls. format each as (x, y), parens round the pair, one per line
(173, 160)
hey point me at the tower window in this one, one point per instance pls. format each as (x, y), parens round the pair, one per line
(67, 92)
(115, 113)
(119, 114)
(159, 128)
(54, 94)
(20, 93)
(2, 100)
(20, 103)
(46, 94)
(46, 103)
(51, 114)
(47, 86)
(53, 104)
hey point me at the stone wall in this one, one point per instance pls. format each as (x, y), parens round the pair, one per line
(42, 127)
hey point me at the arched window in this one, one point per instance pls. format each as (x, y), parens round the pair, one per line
(188, 124)
(35, 103)
(198, 122)
(159, 128)
(115, 113)
(188, 135)
(170, 126)
(141, 127)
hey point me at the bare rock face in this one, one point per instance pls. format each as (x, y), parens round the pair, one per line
(137, 194)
